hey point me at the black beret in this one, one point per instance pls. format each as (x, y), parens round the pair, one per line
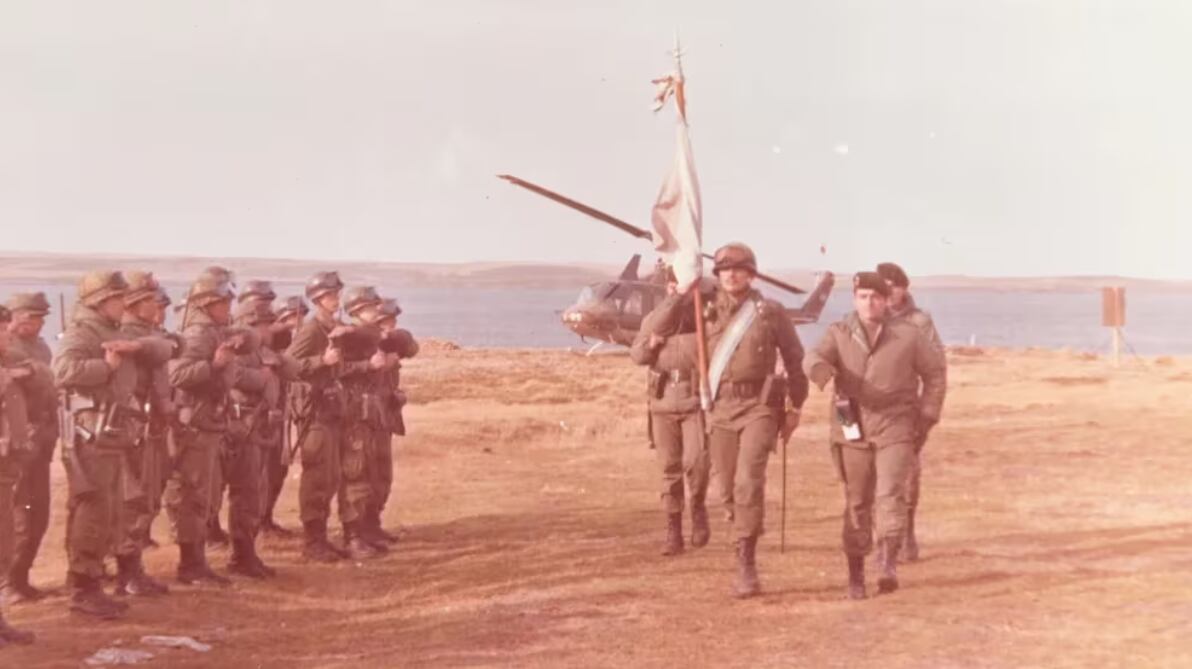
(871, 281)
(894, 274)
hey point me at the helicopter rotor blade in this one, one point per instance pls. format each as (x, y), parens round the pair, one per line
(622, 225)
(578, 206)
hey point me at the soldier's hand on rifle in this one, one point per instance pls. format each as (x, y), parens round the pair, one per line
(224, 355)
(789, 424)
(113, 357)
(18, 372)
(332, 356)
(379, 361)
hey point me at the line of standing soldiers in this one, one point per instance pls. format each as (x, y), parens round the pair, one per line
(890, 376)
(149, 419)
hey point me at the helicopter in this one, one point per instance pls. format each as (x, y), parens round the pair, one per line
(612, 311)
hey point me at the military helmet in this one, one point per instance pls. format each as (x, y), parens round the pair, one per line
(257, 290)
(390, 308)
(34, 303)
(254, 312)
(141, 286)
(220, 274)
(96, 287)
(360, 297)
(323, 283)
(208, 290)
(162, 297)
(291, 305)
(734, 256)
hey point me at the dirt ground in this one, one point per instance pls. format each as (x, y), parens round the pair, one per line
(1055, 530)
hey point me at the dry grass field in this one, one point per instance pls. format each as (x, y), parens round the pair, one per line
(1055, 531)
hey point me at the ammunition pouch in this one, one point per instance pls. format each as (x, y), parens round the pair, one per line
(109, 426)
(330, 402)
(773, 391)
(678, 383)
(203, 417)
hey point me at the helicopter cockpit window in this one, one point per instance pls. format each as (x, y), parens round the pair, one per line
(586, 296)
(633, 304)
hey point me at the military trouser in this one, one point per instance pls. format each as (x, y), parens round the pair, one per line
(31, 509)
(739, 460)
(219, 480)
(95, 511)
(243, 476)
(682, 456)
(874, 486)
(320, 472)
(914, 472)
(10, 473)
(357, 479)
(273, 477)
(140, 471)
(381, 469)
(188, 493)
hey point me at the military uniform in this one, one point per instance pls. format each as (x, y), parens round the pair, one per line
(320, 419)
(879, 385)
(748, 400)
(201, 388)
(911, 313)
(394, 400)
(255, 428)
(676, 422)
(33, 489)
(16, 449)
(144, 463)
(275, 460)
(104, 423)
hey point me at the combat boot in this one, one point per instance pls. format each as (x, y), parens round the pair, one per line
(20, 591)
(245, 561)
(10, 634)
(88, 598)
(378, 532)
(747, 584)
(910, 543)
(317, 547)
(888, 564)
(673, 545)
(356, 546)
(271, 529)
(856, 577)
(216, 537)
(700, 533)
(131, 578)
(372, 534)
(193, 568)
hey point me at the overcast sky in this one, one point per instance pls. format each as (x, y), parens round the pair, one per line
(987, 138)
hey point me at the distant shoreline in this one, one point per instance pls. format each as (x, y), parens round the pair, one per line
(66, 268)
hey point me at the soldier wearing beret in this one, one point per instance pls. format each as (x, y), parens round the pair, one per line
(878, 414)
(27, 347)
(902, 307)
